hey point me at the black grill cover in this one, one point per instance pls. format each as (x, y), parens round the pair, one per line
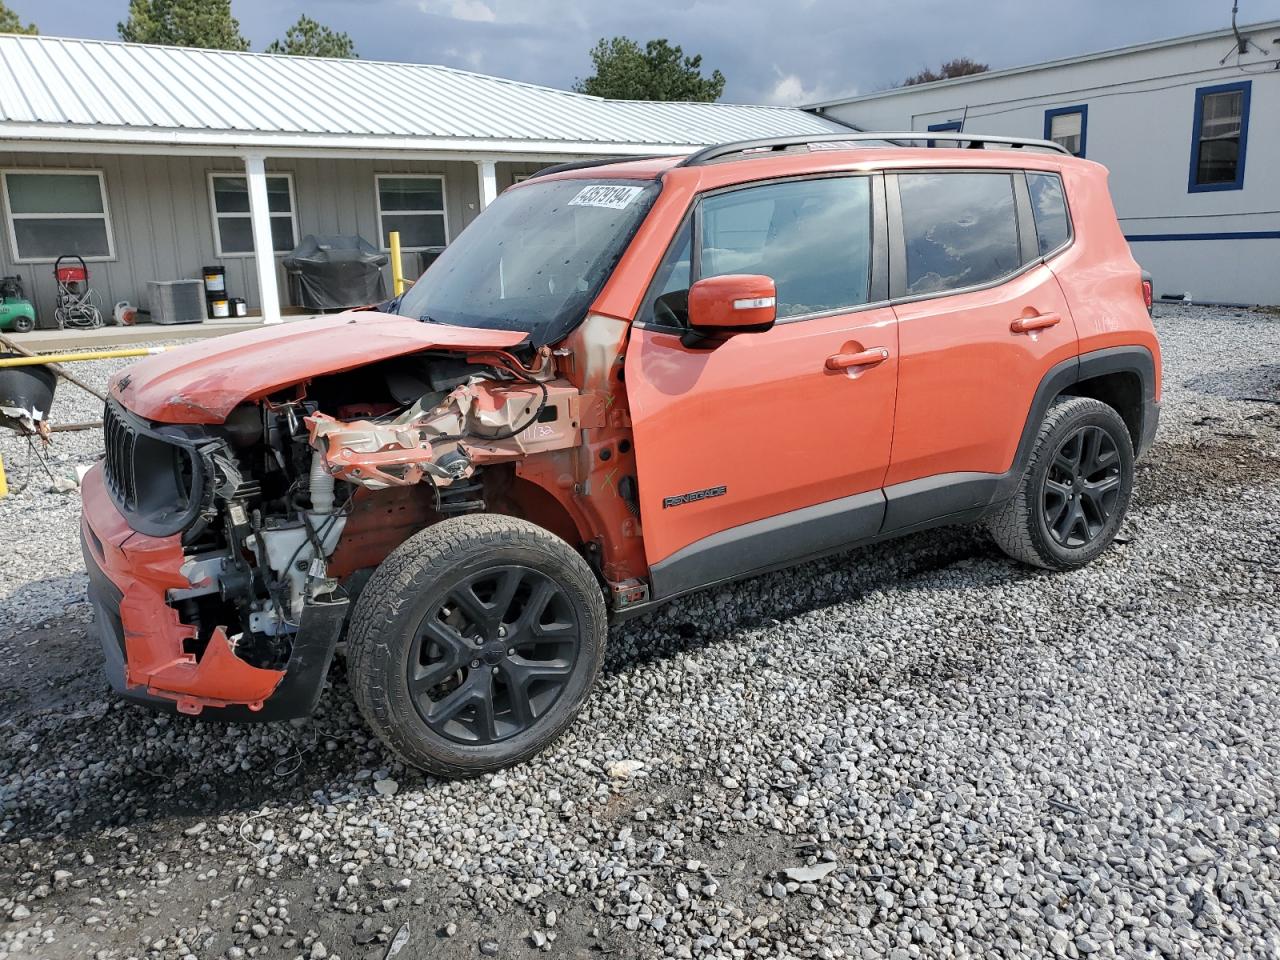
(332, 273)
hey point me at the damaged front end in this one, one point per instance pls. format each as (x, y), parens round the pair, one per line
(223, 558)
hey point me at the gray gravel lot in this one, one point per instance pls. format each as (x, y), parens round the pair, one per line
(990, 761)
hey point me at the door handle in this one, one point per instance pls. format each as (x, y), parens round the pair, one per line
(1038, 322)
(867, 358)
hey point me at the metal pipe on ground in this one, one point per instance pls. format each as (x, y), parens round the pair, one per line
(74, 427)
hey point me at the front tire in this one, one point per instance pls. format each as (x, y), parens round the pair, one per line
(1075, 491)
(475, 644)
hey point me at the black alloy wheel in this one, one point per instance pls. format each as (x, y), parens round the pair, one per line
(1073, 494)
(476, 643)
(1081, 487)
(493, 655)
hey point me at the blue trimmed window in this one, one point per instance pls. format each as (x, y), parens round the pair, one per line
(1069, 127)
(1219, 135)
(955, 125)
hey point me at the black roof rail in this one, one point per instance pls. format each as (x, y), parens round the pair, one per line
(585, 164)
(977, 141)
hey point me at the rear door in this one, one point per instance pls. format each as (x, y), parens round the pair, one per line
(981, 320)
(754, 452)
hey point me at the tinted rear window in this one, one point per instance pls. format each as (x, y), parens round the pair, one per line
(961, 229)
(1050, 205)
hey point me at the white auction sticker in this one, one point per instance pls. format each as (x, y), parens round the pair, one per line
(603, 195)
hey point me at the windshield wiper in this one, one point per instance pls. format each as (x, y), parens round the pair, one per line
(390, 306)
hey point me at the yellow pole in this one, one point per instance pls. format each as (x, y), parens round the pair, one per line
(397, 268)
(72, 357)
(4, 481)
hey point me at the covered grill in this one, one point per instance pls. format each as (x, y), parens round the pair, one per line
(335, 272)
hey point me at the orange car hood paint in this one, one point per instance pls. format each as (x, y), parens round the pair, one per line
(203, 382)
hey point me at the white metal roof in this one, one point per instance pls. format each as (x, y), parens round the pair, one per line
(1245, 28)
(54, 88)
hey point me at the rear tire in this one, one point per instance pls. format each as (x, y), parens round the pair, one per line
(1075, 491)
(475, 644)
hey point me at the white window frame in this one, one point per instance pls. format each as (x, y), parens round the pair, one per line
(10, 216)
(215, 216)
(519, 178)
(442, 212)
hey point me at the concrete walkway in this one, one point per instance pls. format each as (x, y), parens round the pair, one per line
(108, 338)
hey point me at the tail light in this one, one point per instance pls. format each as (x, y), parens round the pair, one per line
(1148, 291)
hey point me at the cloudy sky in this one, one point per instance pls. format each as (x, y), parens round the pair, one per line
(795, 51)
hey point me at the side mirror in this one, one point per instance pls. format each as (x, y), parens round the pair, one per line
(737, 303)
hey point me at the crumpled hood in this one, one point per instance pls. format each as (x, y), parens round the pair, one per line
(204, 381)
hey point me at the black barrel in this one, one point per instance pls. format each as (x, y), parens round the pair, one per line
(27, 388)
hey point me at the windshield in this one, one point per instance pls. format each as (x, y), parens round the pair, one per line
(535, 259)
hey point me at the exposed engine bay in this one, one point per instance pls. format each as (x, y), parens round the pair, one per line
(283, 477)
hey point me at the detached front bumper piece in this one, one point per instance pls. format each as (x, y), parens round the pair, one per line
(146, 647)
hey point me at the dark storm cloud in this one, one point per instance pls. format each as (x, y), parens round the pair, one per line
(788, 52)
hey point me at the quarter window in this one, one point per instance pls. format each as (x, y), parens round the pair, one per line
(232, 226)
(414, 206)
(1049, 206)
(52, 213)
(1219, 135)
(813, 237)
(961, 229)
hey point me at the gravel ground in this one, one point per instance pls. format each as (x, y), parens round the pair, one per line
(951, 754)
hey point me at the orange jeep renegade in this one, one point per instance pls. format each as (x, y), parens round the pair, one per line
(622, 383)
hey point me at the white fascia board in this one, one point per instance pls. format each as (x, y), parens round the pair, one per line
(86, 139)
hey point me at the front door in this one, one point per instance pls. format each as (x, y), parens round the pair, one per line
(767, 447)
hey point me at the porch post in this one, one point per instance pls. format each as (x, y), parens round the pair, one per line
(255, 170)
(488, 182)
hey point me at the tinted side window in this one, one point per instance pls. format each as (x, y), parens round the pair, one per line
(961, 229)
(1050, 206)
(813, 237)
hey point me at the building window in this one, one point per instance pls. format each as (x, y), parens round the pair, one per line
(232, 226)
(961, 230)
(1218, 136)
(57, 212)
(1068, 127)
(413, 205)
(949, 125)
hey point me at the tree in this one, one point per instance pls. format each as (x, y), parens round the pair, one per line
(183, 23)
(959, 67)
(658, 72)
(9, 22)
(307, 38)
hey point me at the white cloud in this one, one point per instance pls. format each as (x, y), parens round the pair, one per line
(476, 11)
(789, 91)
(472, 11)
